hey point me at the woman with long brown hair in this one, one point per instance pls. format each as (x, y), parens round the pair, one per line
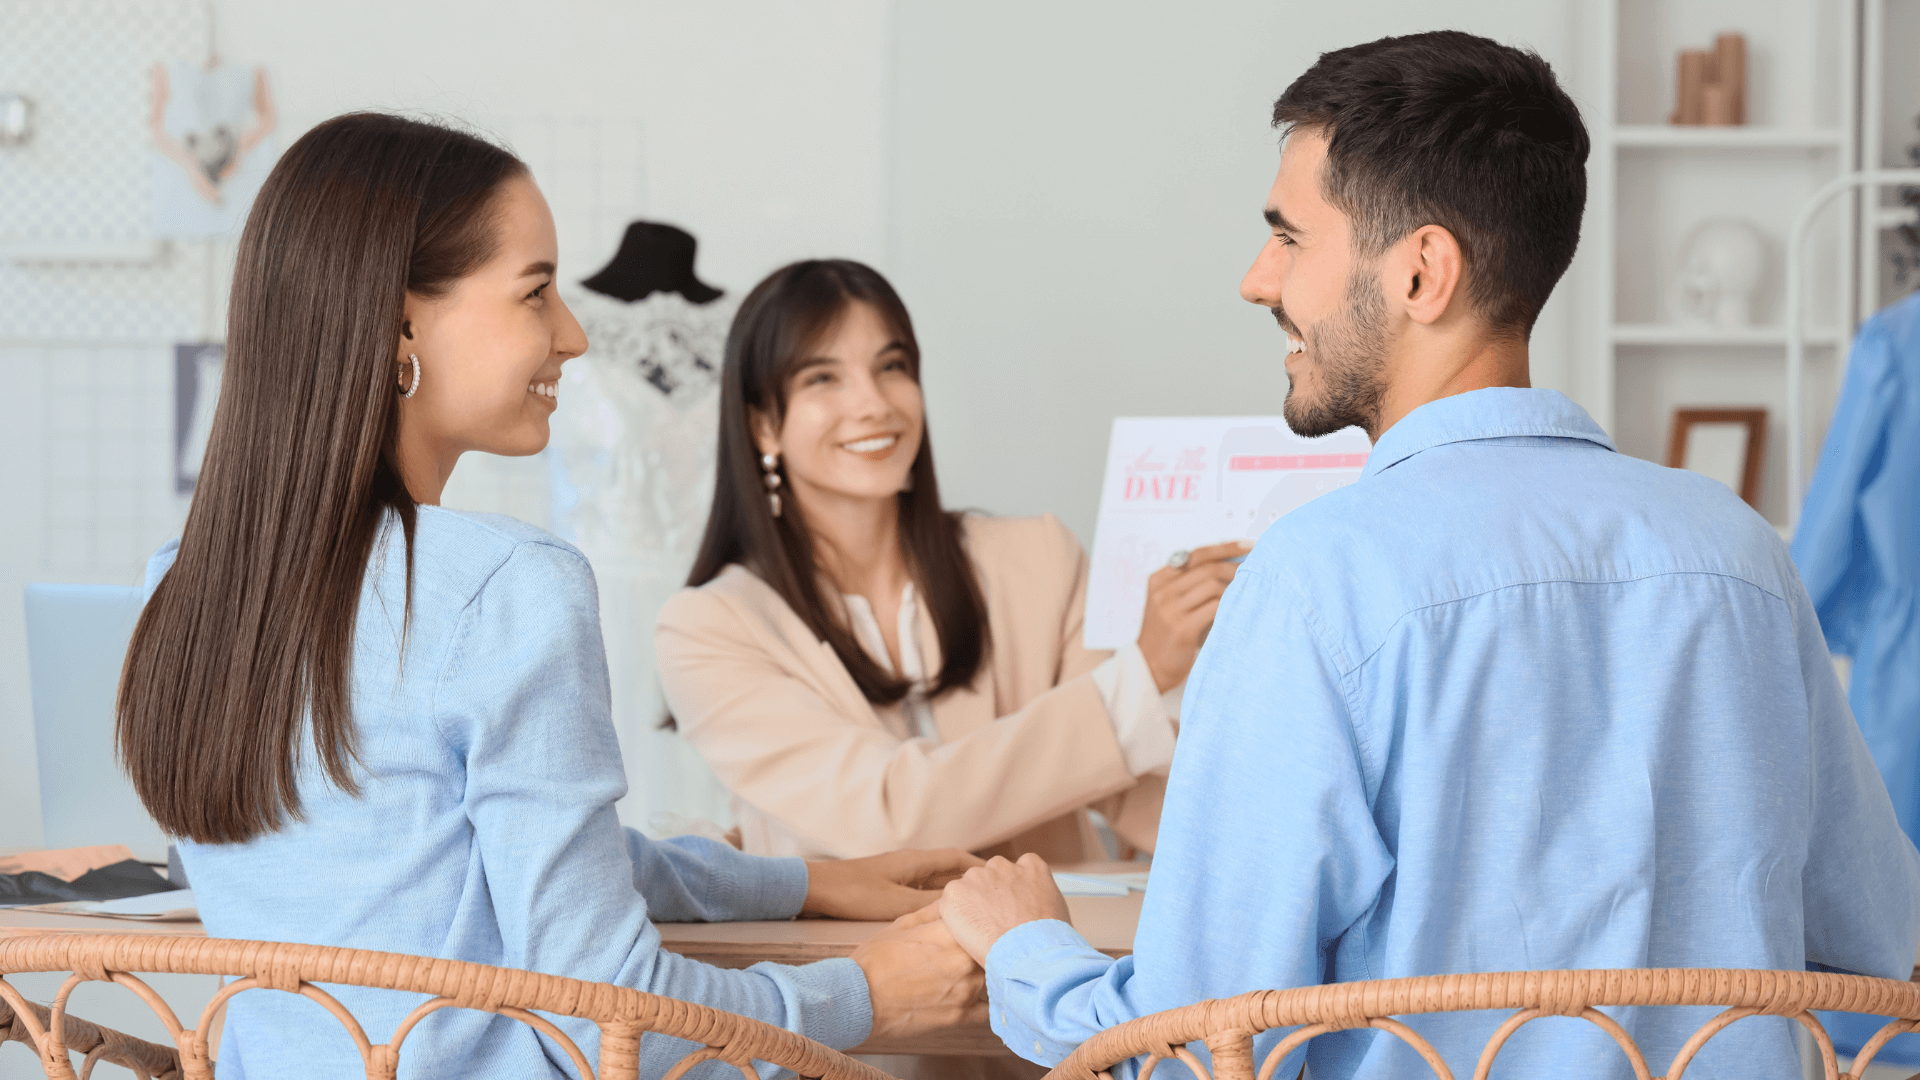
(376, 723)
(867, 670)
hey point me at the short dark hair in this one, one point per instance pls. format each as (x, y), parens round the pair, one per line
(1450, 129)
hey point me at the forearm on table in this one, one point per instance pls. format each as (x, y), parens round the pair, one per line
(1050, 991)
(695, 879)
(827, 1001)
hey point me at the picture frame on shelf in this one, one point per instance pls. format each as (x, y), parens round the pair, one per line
(1728, 445)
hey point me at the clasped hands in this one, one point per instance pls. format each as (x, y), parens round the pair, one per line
(927, 970)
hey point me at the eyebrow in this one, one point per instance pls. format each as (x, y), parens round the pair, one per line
(1279, 221)
(538, 269)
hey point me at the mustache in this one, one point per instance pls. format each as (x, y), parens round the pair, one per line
(1280, 316)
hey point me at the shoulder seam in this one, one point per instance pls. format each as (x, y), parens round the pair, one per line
(1411, 612)
(466, 612)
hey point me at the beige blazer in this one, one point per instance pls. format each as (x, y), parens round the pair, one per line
(816, 770)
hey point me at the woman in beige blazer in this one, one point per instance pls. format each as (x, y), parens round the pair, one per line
(866, 671)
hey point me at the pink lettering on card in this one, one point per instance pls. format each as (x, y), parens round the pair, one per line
(1265, 462)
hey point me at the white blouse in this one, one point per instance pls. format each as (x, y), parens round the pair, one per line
(1142, 717)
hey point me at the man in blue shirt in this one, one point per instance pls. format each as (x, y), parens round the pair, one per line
(1513, 700)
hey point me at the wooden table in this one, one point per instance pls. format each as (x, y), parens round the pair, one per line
(1107, 923)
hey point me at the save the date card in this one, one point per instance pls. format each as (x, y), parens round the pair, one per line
(1182, 482)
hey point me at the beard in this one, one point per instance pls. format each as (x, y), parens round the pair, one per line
(1347, 355)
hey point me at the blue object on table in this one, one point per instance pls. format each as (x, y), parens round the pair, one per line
(76, 641)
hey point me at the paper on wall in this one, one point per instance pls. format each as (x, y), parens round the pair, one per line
(1182, 482)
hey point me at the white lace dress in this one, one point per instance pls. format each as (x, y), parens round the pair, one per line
(633, 449)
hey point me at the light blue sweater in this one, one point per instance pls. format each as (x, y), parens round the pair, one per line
(485, 831)
(1513, 701)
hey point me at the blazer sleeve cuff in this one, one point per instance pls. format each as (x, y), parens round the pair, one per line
(1142, 721)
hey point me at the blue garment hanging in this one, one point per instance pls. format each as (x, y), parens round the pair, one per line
(1858, 549)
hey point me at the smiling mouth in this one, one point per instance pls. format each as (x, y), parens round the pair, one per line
(549, 390)
(876, 448)
(1295, 344)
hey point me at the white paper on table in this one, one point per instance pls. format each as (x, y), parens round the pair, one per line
(1182, 482)
(175, 905)
(1100, 884)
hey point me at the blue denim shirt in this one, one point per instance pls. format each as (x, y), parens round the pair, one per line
(1512, 701)
(485, 831)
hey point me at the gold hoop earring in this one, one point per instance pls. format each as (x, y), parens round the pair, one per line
(770, 476)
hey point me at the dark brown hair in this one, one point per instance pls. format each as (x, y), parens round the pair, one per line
(779, 321)
(1454, 130)
(249, 637)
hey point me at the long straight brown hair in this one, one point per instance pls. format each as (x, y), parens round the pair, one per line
(782, 318)
(249, 637)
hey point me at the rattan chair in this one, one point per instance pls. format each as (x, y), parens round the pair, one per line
(148, 1061)
(1227, 1026)
(621, 1014)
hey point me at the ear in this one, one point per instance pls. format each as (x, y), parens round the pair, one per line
(410, 313)
(766, 437)
(1430, 268)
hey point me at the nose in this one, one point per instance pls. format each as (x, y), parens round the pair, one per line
(569, 340)
(1261, 285)
(866, 402)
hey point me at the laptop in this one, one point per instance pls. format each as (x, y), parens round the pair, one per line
(76, 642)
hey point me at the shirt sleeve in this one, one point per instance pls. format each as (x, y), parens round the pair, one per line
(1268, 759)
(1861, 883)
(697, 879)
(1831, 545)
(1142, 716)
(523, 702)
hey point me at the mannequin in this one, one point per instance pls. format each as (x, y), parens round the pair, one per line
(632, 462)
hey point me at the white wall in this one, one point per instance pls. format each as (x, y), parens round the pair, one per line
(1076, 194)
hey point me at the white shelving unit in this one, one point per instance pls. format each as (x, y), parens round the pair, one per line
(1651, 183)
(1725, 138)
(1889, 102)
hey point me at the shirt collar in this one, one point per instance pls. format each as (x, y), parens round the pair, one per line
(1498, 412)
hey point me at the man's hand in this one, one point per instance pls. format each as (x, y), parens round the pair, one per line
(990, 900)
(881, 886)
(919, 979)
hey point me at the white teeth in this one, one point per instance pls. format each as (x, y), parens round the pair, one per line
(868, 446)
(1295, 345)
(551, 390)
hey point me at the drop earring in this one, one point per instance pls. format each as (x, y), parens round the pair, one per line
(408, 392)
(770, 475)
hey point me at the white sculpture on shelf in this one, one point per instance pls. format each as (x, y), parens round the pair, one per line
(1720, 268)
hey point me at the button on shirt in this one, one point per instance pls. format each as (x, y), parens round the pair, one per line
(1512, 701)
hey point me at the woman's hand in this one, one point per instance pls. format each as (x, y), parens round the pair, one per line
(881, 886)
(1180, 606)
(919, 978)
